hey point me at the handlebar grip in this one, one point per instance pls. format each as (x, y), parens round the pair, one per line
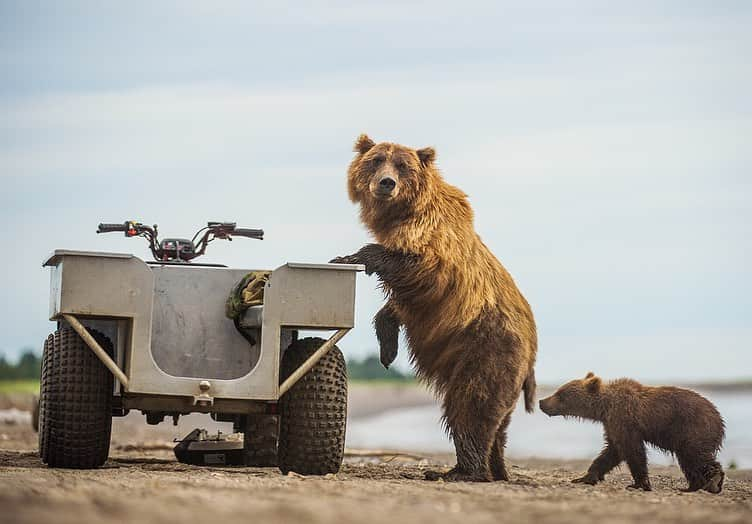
(250, 233)
(111, 228)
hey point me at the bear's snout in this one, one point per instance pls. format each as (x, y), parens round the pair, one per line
(387, 185)
(546, 407)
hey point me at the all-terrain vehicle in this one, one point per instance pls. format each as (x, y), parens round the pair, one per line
(153, 336)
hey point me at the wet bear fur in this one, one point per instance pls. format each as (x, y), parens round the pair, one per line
(672, 419)
(471, 333)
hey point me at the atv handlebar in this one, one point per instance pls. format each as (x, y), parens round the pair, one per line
(250, 233)
(181, 249)
(111, 228)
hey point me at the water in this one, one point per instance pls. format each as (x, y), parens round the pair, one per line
(536, 435)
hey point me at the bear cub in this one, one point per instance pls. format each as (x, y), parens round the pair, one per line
(672, 419)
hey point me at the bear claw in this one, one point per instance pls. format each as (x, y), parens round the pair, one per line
(586, 479)
(343, 260)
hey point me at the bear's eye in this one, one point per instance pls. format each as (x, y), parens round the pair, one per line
(400, 164)
(378, 159)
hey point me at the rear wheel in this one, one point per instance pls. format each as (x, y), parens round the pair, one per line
(260, 440)
(75, 402)
(313, 413)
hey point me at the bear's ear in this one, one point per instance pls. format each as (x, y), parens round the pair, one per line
(426, 155)
(363, 144)
(589, 374)
(593, 384)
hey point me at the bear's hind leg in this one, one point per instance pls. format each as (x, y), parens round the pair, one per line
(632, 448)
(481, 380)
(498, 467)
(701, 472)
(714, 476)
(473, 446)
(692, 469)
(472, 425)
(473, 411)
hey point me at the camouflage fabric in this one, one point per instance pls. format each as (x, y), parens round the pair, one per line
(246, 293)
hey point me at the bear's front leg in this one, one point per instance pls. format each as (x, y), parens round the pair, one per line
(632, 448)
(387, 325)
(346, 259)
(371, 255)
(396, 269)
(603, 463)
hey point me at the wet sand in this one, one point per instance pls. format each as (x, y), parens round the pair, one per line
(143, 483)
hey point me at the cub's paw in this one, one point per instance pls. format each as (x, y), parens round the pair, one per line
(715, 484)
(643, 485)
(433, 476)
(588, 478)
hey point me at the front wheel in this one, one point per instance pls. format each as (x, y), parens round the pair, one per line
(75, 403)
(313, 413)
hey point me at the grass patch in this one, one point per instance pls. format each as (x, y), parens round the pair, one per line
(20, 386)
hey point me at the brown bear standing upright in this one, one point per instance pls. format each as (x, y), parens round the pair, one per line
(672, 419)
(471, 332)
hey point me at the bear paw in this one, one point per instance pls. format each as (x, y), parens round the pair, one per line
(348, 259)
(587, 478)
(453, 475)
(387, 354)
(715, 484)
(643, 485)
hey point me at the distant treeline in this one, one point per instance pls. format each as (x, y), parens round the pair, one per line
(27, 367)
(371, 369)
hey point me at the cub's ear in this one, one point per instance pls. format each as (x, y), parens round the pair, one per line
(593, 384)
(426, 155)
(589, 374)
(363, 144)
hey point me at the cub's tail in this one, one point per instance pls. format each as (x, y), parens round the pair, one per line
(529, 388)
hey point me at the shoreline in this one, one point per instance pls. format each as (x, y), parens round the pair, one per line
(369, 398)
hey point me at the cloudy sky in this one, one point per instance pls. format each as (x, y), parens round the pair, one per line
(606, 149)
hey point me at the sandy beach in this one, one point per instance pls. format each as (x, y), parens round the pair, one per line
(142, 482)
